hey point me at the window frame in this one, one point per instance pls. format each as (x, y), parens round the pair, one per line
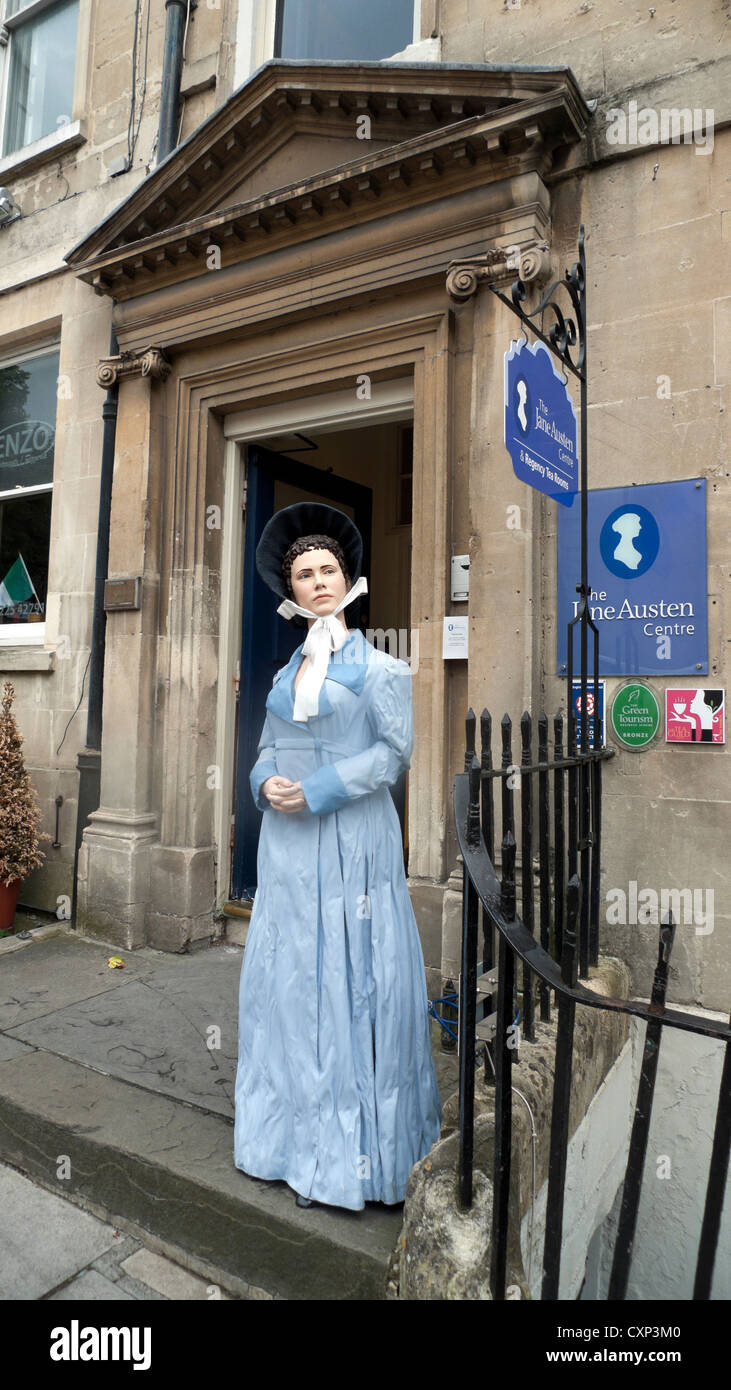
(71, 131)
(278, 6)
(29, 634)
(256, 33)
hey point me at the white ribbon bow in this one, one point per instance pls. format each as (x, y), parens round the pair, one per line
(326, 635)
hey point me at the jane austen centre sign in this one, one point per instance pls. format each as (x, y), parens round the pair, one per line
(647, 569)
(540, 422)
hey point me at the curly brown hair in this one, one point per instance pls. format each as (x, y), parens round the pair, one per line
(304, 543)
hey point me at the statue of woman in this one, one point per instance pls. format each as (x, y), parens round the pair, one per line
(336, 1091)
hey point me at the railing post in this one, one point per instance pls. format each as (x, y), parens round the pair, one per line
(544, 992)
(596, 819)
(561, 1100)
(526, 852)
(508, 815)
(504, 1052)
(487, 805)
(468, 1002)
(716, 1185)
(641, 1123)
(559, 840)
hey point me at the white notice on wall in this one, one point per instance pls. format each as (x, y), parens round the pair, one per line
(454, 638)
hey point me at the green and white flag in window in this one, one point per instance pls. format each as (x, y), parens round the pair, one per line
(17, 586)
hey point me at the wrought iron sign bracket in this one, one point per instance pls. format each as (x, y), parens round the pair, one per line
(566, 341)
(566, 333)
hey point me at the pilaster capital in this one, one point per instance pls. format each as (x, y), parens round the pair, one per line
(151, 362)
(531, 262)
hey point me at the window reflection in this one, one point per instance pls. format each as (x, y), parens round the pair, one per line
(343, 29)
(41, 85)
(27, 437)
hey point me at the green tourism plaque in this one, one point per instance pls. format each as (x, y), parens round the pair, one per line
(635, 715)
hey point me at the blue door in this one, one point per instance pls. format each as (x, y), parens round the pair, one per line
(267, 642)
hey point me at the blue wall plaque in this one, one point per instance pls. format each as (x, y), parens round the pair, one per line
(646, 559)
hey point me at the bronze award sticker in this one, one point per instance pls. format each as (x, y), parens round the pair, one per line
(635, 715)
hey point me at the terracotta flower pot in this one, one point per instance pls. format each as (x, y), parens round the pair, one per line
(8, 902)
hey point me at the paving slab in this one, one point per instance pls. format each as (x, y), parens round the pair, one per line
(112, 1068)
(89, 1285)
(150, 1022)
(167, 1278)
(43, 1239)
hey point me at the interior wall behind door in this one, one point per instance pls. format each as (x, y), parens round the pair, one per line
(378, 456)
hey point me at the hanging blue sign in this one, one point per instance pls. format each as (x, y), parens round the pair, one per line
(541, 432)
(646, 549)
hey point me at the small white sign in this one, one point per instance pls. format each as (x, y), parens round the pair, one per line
(455, 638)
(460, 578)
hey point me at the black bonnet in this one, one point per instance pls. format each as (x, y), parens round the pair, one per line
(304, 519)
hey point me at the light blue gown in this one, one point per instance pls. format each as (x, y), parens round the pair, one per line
(336, 1091)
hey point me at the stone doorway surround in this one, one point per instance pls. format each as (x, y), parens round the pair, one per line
(312, 284)
(390, 401)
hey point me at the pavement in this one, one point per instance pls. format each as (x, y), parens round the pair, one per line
(117, 1177)
(54, 1251)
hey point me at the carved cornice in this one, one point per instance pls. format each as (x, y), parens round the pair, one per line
(501, 263)
(151, 361)
(167, 229)
(282, 99)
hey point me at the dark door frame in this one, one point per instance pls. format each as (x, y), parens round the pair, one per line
(266, 642)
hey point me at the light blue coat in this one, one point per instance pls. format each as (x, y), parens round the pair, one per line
(335, 1087)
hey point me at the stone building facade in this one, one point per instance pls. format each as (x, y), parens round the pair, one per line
(310, 262)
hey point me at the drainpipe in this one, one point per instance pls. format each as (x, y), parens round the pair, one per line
(176, 12)
(89, 760)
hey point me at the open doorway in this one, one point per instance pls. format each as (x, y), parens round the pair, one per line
(366, 471)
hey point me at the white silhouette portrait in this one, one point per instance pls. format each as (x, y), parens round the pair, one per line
(522, 398)
(628, 526)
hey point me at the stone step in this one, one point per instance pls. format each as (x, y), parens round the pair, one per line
(167, 1165)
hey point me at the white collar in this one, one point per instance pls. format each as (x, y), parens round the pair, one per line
(326, 635)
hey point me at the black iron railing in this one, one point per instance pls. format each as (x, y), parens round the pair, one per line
(551, 961)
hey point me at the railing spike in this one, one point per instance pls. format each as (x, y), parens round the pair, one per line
(473, 818)
(470, 727)
(569, 957)
(507, 885)
(660, 977)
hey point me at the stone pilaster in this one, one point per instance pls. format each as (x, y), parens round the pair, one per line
(114, 859)
(183, 864)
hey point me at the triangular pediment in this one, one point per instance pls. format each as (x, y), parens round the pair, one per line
(300, 141)
(292, 156)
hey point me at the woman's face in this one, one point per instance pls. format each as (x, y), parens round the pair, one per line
(318, 583)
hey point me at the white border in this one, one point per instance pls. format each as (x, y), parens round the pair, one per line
(689, 743)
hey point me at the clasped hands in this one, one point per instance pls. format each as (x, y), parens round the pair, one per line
(283, 794)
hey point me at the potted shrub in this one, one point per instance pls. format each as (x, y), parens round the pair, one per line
(19, 814)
